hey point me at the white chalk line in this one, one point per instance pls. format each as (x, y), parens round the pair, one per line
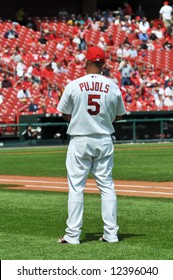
(94, 189)
(88, 184)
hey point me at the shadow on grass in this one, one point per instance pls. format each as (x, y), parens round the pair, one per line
(97, 235)
(123, 236)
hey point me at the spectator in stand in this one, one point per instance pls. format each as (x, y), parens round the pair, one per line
(126, 71)
(76, 41)
(117, 20)
(57, 67)
(23, 93)
(138, 102)
(20, 68)
(20, 16)
(52, 108)
(152, 35)
(159, 101)
(54, 92)
(161, 89)
(23, 106)
(165, 14)
(169, 89)
(27, 82)
(168, 100)
(154, 91)
(6, 82)
(60, 45)
(167, 45)
(168, 33)
(16, 56)
(79, 59)
(95, 25)
(34, 71)
(32, 40)
(33, 106)
(158, 44)
(43, 86)
(132, 52)
(135, 79)
(102, 43)
(31, 23)
(150, 45)
(82, 35)
(104, 25)
(11, 33)
(6, 54)
(128, 97)
(126, 41)
(139, 12)
(110, 41)
(44, 56)
(42, 109)
(144, 25)
(120, 52)
(42, 39)
(53, 34)
(1, 98)
(127, 11)
(143, 36)
(149, 101)
(63, 14)
(159, 31)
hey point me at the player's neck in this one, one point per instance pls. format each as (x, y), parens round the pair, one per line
(93, 70)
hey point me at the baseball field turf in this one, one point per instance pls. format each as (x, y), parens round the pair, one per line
(32, 221)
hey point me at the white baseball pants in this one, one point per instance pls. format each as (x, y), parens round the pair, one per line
(95, 154)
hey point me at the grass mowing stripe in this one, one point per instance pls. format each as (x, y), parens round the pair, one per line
(32, 221)
(134, 164)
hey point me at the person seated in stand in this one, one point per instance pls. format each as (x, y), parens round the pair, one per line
(23, 106)
(1, 97)
(23, 92)
(33, 106)
(6, 82)
(167, 45)
(128, 97)
(125, 69)
(143, 36)
(42, 40)
(11, 33)
(52, 108)
(42, 109)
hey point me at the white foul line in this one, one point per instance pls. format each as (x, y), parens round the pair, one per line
(88, 184)
(94, 189)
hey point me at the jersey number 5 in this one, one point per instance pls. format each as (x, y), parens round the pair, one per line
(92, 102)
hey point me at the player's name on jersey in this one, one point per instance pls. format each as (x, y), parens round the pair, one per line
(94, 86)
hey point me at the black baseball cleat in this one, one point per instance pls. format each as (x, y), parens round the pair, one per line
(62, 241)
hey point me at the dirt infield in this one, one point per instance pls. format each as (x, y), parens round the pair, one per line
(126, 188)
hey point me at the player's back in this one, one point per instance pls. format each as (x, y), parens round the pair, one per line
(94, 105)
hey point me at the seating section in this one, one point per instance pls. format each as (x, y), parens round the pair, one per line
(61, 48)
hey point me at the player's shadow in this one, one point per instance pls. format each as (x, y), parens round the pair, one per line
(96, 235)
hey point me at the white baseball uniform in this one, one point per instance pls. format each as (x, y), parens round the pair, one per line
(93, 101)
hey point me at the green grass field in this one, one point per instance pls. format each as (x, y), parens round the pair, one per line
(143, 162)
(32, 221)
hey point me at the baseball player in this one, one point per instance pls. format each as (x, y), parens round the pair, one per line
(91, 104)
